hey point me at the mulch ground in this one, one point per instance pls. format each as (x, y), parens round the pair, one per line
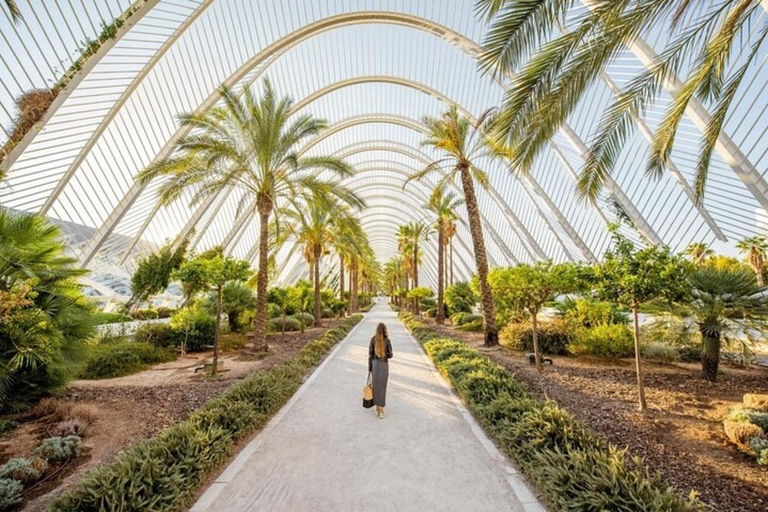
(128, 414)
(681, 437)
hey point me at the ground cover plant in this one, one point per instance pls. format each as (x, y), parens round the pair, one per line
(575, 470)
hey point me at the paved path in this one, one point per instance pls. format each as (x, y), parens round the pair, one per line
(324, 452)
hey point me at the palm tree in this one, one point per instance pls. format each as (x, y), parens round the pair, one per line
(394, 275)
(313, 228)
(13, 8)
(557, 68)
(444, 207)
(405, 247)
(724, 301)
(755, 248)
(699, 252)
(249, 144)
(461, 142)
(347, 240)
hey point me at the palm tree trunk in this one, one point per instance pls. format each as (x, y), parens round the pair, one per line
(216, 329)
(535, 332)
(416, 275)
(232, 320)
(710, 356)
(318, 309)
(265, 208)
(452, 280)
(341, 287)
(440, 314)
(481, 258)
(353, 286)
(638, 366)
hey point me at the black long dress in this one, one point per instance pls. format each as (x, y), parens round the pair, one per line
(380, 370)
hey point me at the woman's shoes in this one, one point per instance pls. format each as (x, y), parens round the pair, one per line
(381, 415)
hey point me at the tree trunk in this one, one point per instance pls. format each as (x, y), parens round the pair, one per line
(283, 336)
(534, 331)
(710, 356)
(216, 329)
(416, 308)
(440, 314)
(452, 280)
(638, 365)
(341, 287)
(232, 320)
(481, 258)
(265, 209)
(318, 309)
(353, 286)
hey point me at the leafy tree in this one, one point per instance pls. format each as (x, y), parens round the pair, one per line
(755, 247)
(444, 207)
(726, 303)
(461, 143)
(418, 294)
(236, 297)
(632, 277)
(460, 297)
(45, 319)
(153, 272)
(282, 298)
(554, 69)
(253, 145)
(528, 287)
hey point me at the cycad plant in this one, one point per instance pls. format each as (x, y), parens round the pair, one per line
(45, 319)
(250, 144)
(444, 207)
(755, 248)
(314, 228)
(557, 64)
(726, 303)
(461, 142)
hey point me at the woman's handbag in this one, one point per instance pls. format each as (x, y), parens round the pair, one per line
(368, 393)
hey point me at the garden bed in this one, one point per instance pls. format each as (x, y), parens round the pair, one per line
(681, 436)
(138, 406)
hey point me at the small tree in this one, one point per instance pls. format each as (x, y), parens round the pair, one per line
(236, 298)
(153, 272)
(418, 294)
(282, 299)
(632, 277)
(192, 274)
(528, 287)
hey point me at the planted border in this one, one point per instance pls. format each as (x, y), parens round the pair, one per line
(164, 472)
(574, 470)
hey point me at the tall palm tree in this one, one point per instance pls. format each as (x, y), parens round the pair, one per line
(557, 67)
(444, 207)
(724, 301)
(699, 252)
(755, 248)
(405, 247)
(13, 8)
(313, 228)
(462, 142)
(250, 144)
(347, 240)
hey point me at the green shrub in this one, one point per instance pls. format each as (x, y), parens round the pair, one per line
(111, 318)
(430, 313)
(163, 312)
(589, 312)
(6, 427)
(759, 447)
(574, 470)
(750, 416)
(164, 472)
(193, 328)
(459, 298)
(273, 310)
(108, 361)
(23, 470)
(144, 314)
(457, 317)
(690, 354)
(469, 318)
(607, 340)
(291, 324)
(59, 449)
(157, 334)
(473, 326)
(308, 319)
(10, 493)
(554, 337)
(661, 352)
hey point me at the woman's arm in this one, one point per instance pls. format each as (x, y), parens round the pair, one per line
(389, 349)
(370, 356)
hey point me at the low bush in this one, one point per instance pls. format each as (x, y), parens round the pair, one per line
(193, 329)
(59, 449)
(10, 493)
(469, 318)
(747, 427)
(163, 312)
(589, 312)
(661, 352)
(431, 313)
(756, 402)
(107, 361)
(24, 470)
(273, 310)
(6, 427)
(759, 447)
(573, 469)
(459, 298)
(308, 319)
(607, 340)
(367, 308)
(291, 324)
(144, 314)
(111, 318)
(456, 318)
(164, 472)
(157, 334)
(553, 337)
(473, 326)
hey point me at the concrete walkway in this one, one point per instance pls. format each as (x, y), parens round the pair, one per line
(324, 452)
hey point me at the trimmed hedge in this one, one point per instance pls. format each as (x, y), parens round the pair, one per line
(605, 340)
(164, 472)
(554, 337)
(575, 471)
(118, 359)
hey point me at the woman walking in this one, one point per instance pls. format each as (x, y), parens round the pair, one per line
(379, 354)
